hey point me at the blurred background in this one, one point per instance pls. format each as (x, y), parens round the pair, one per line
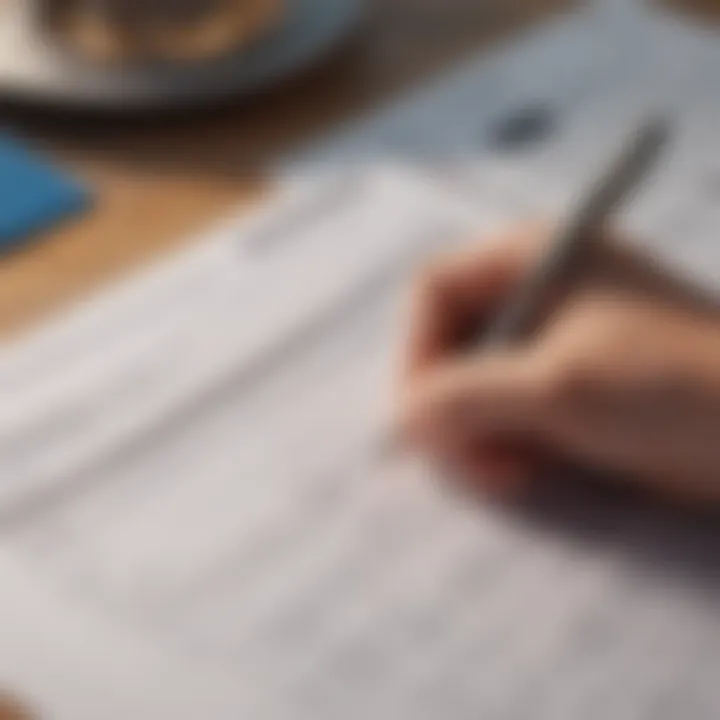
(157, 175)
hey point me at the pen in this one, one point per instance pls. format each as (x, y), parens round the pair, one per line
(575, 238)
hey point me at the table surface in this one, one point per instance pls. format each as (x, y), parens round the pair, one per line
(158, 180)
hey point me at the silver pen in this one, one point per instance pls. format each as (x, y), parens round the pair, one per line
(577, 236)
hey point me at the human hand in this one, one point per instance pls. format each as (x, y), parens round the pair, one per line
(623, 375)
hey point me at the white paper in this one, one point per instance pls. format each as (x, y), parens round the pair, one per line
(196, 517)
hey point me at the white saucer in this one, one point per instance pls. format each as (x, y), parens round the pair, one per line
(32, 70)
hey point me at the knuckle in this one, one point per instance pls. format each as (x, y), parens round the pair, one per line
(426, 276)
(431, 278)
(572, 383)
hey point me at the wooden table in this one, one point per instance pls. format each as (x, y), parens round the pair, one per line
(160, 179)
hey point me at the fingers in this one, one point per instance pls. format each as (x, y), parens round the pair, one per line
(457, 291)
(494, 394)
(497, 468)
(469, 415)
(486, 419)
(462, 411)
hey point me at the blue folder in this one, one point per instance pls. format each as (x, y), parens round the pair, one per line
(34, 194)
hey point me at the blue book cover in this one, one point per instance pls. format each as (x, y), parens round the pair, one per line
(34, 194)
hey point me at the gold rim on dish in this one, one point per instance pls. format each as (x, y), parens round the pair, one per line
(88, 29)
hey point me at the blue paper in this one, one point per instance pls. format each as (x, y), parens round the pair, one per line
(34, 194)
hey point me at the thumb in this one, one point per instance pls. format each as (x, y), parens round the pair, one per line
(497, 393)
